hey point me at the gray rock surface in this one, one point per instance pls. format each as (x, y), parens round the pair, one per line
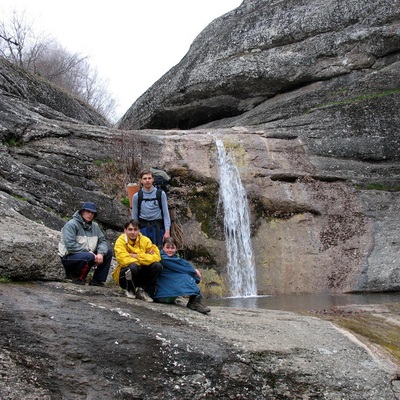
(246, 59)
(28, 248)
(41, 97)
(129, 349)
(310, 232)
(319, 81)
(302, 95)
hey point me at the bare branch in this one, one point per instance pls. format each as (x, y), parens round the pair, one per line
(46, 57)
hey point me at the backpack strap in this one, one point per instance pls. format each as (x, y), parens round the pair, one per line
(158, 198)
(139, 201)
(158, 195)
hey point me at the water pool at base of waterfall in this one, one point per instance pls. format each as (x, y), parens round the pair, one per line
(305, 302)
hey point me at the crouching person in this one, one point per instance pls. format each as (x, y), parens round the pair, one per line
(83, 246)
(178, 278)
(138, 263)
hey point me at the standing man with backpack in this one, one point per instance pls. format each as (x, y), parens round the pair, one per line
(150, 208)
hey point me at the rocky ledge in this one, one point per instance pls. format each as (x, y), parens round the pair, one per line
(60, 341)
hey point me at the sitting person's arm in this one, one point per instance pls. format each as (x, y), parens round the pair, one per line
(149, 254)
(70, 239)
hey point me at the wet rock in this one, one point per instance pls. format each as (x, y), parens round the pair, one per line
(139, 350)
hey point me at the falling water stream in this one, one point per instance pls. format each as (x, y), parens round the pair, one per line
(240, 266)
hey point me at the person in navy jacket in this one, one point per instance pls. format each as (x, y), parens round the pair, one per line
(178, 278)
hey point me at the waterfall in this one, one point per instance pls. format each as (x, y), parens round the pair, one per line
(240, 267)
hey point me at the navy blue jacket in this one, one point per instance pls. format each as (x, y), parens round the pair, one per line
(177, 278)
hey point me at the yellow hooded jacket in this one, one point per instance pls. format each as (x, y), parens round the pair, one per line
(141, 246)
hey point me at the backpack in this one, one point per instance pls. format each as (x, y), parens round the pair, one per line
(161, 179)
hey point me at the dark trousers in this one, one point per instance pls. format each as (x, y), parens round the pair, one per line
(142, 276)
(78, 265)
(154, 230)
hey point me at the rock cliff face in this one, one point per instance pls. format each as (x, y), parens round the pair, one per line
(244, 60)
(320, 77)
(304, 96)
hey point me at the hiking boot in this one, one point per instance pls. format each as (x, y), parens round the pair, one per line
(96, 283)
(196, 305)
(69, 276)
(129, 294)
(142, 295)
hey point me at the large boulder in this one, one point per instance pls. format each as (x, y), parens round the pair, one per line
(28, 248)
(262, 49)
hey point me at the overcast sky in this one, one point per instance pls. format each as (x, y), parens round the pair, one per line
(131, 43)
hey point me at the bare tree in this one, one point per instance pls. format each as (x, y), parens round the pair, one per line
(95, 93)
(56, 64)
(44, 56)
(14, 35)
(19, 44)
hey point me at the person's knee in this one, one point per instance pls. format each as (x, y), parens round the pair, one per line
(90, 257)
(134, 268)
(156, 267)
(108, 255)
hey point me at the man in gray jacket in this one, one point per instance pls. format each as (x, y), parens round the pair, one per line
(84, 246)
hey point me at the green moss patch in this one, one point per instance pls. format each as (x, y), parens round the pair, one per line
(377, 327)
(356, 99)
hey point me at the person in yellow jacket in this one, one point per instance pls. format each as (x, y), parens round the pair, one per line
(138, 263)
